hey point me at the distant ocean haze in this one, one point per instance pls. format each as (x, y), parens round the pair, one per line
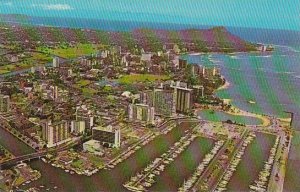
(268, 36)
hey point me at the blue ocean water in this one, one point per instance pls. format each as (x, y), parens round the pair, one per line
(271, 80)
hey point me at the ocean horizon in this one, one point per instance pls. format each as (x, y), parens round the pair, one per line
(257, 35)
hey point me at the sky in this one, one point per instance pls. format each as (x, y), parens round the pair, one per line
(272, 14)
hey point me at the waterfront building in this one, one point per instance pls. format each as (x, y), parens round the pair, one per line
(141, 112)
(197, 70)
(4, 103)
(182, 63)
(110, 136)
(55, 62)
(198, 91)
(210, 72)
(175, 62)
(55, 133)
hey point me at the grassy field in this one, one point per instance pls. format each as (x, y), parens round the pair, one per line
(71, 52)
(252, 162)
(83, 83)
(83, 86)
(134, 78)
(88, 91)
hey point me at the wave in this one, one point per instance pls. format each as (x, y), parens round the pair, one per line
(289, 48)
(195, 54)
(215, 61)
(288, 72)
(263, 56)
(296, 76)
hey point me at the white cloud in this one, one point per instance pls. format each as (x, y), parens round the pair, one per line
(59, 7)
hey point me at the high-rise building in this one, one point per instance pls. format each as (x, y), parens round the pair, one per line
(164, 102)
(198, 91)
(183, 100)
(4, 103)
(182, 63)
(183, 96)
(141, 112)
(55, 133)
(169, 99)
(54, 92)
(55, 62)
(107, 135)
(147, 97)
(78, 127)
(86, 62)
(86, 115)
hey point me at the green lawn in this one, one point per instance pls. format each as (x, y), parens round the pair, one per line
(88, 91)
(83, 83)
(77, 164)
(71, 52)
(97, 161)
(134, 78)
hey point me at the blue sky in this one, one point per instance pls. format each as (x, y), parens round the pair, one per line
(274, 14)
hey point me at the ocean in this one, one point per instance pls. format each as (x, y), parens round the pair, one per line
(271, 80)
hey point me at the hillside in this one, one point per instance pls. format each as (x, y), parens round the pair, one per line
(217, 39)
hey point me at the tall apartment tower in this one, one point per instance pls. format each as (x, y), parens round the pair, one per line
(4, 103)
(55, 62)
(55, 133)
(141, 112)
(183, 97)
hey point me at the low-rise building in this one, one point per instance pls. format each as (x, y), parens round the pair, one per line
(107, 135)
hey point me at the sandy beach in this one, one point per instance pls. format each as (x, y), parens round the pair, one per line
(240, 112)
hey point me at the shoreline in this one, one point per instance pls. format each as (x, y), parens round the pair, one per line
(225, 86)
(240, 112)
